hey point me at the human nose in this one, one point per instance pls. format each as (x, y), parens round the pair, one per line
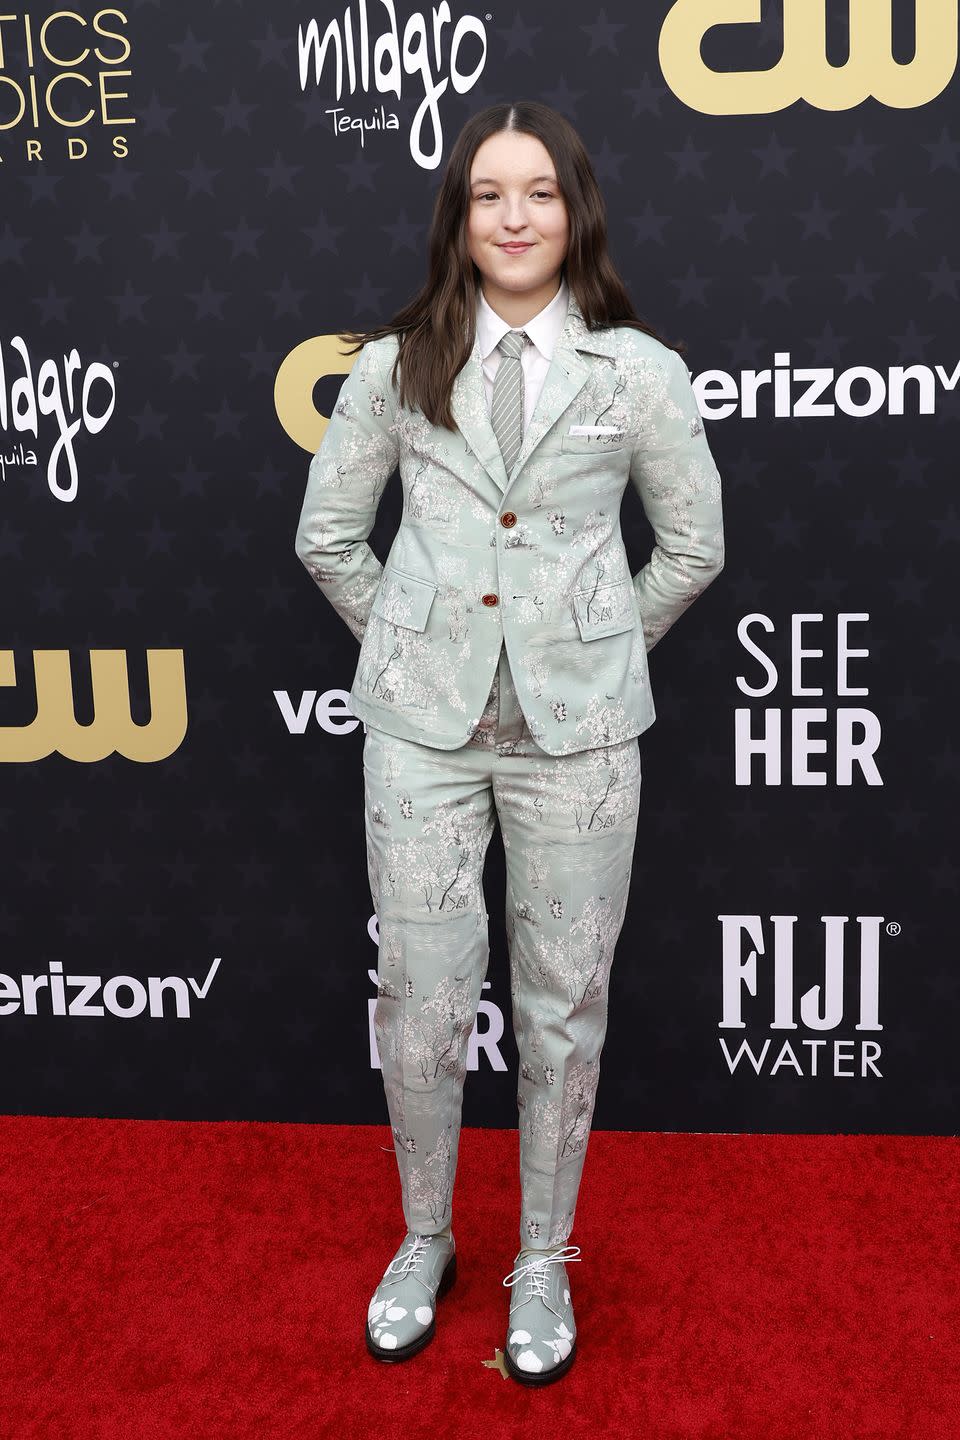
(515, 213)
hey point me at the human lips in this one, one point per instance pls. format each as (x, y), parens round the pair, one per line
(516, 247)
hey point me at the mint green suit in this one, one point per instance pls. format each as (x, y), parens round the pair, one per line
(503, 671)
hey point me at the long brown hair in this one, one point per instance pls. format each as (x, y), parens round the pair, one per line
(436, 329)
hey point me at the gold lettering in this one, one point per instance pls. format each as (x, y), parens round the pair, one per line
(44, 46)
(803, 70)
(293, 387)
(51, 111)
(107, 34)
(106, 95)
(18, 91)
(112, 730)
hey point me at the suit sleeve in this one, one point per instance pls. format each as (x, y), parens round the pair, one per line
(675, 475)
(345, 481)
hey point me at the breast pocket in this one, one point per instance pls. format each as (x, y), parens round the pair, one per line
(403, 599)
(605, 609)
(603, 444)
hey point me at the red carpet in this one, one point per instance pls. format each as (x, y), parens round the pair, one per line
(202, 1281)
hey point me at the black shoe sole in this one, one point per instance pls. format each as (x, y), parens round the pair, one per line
(540, 1377)
(405, 1352)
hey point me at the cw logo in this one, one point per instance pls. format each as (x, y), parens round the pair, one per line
(112, 729)
(293, 388)
(803, 71)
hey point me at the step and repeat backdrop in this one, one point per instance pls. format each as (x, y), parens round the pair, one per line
(195, 198)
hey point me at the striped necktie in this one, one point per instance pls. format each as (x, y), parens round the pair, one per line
(506, 411)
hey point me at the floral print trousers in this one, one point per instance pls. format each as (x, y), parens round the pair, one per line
(569, 826)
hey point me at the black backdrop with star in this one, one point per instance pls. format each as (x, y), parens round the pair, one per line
(188, 933)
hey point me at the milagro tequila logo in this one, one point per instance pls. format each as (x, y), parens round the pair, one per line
(758, 962)
(430, 44)
(88, 997)
(63, 390)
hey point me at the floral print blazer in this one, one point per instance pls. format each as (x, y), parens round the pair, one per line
(534, 560)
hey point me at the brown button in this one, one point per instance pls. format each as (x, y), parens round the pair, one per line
(508, 518)
(489, 599)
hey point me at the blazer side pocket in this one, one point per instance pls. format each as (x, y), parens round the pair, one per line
(403, 599)
(605, 609)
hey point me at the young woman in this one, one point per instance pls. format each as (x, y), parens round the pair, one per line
(502, 673)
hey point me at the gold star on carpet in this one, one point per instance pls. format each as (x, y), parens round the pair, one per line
(497, 1364)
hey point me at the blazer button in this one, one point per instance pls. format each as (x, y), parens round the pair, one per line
(508, 518)
(489, 599)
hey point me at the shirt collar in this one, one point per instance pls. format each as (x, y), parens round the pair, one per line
(544, 329)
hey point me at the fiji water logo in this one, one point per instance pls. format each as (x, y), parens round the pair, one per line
(761, 965)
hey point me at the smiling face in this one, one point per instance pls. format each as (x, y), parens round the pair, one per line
(515, 197)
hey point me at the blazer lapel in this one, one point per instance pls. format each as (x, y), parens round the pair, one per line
(469, 404)
(565, 378)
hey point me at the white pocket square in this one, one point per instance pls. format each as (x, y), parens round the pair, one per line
(595, 430)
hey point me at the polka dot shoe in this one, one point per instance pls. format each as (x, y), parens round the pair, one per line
(541, 1331)
(401, 1314)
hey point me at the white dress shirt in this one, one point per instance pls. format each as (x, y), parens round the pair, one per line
(543, 332)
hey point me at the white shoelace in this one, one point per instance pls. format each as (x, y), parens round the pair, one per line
(535, 1271)
(411, 1260)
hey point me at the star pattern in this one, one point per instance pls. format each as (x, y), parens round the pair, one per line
(240, 225)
